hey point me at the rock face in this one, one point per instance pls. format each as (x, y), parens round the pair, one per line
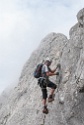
(24, 104)
(80, 17)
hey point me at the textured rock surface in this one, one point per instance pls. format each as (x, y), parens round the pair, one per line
(80, 17)
(24, 106)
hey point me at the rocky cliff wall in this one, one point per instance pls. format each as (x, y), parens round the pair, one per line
(24, 104)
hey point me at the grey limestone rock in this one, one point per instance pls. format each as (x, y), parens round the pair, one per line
(24, 105)
(80, 17)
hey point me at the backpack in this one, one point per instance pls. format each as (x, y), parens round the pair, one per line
(37, 72)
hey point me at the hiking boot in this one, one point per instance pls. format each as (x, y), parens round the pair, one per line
(51, 98)
(45, 110)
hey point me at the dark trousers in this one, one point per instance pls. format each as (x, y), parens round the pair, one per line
(44, 88)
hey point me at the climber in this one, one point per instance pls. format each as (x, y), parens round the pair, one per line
(44, 82)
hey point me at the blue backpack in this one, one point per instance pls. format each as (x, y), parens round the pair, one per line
(37, 72)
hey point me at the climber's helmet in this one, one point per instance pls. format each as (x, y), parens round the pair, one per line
(48, 61)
